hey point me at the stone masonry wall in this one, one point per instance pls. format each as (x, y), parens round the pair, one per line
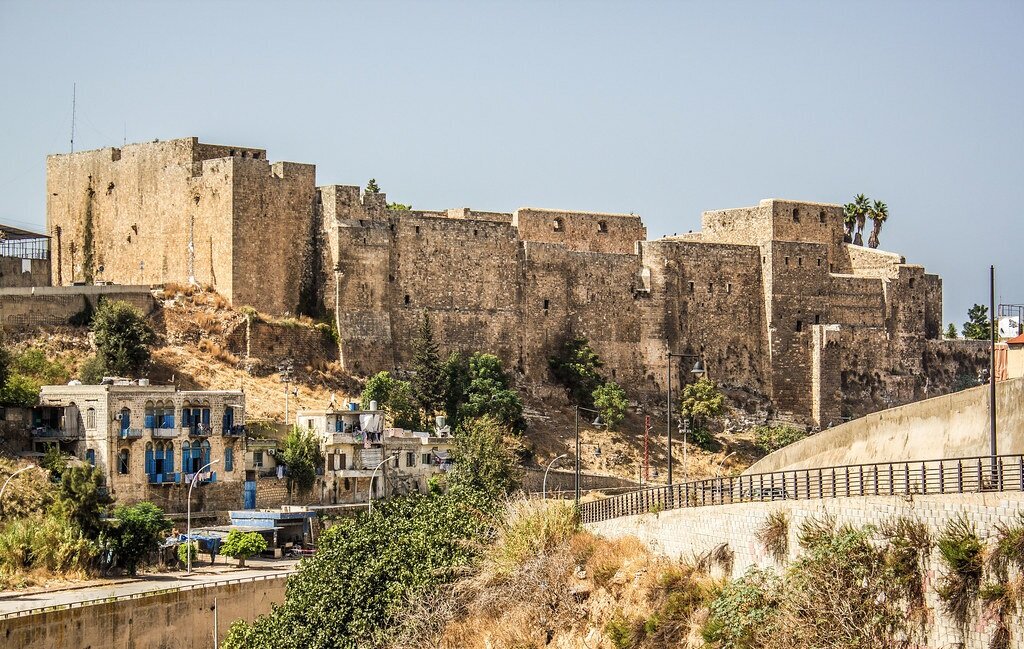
(691, 532)
(13, 272)
(23, 310)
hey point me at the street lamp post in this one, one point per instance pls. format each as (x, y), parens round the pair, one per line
(597, 422)
(8, 481)
(188, 517)
(698, 370)
(544, 487)
(373, 476)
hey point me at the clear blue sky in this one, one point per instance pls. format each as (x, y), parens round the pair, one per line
(661, 109)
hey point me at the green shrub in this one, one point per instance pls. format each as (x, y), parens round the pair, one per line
(303, 457)
(961, 552)
(772, 438)
(184, 549)
(744, 609)
(242, 545)
(774, 535)
(621, 632)
(576, 367)
(20, 390)
(122, 337)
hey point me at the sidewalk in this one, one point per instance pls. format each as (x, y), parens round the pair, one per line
(14, 601)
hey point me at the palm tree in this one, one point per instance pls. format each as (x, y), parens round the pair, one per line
(879, 213)
(863, 205)
(849, 220)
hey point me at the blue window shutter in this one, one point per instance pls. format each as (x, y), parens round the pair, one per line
(229, 459)
(149, 461)
(169, 462)
(149, 421)
(170, 421)
(206, 416)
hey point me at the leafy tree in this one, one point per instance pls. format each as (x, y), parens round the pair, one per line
(485, 458)
(489, 393)
(372, 187)
(187, 548)
(394, 396)
(92, 370)
(83, 499)
(347, 594)
(576, 367)
(399, 206)
(242, 545)
(700, 402)
(54, 462)
(302, 457)
(951, 333)
(20, 390)
(978, 325)
(610, 400)
(428, 385)
(879, 214)
(455, 373)
(137, 531)
(122, 337)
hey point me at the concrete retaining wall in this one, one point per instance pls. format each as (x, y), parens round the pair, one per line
(180, 618)
(953, 425)
(23, 310)
(690, 532)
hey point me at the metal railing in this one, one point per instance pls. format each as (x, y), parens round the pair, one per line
(130, 433)
(237, 430)
(57, 433)
(917, 477)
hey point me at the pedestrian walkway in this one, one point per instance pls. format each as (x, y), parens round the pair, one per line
(18, 601)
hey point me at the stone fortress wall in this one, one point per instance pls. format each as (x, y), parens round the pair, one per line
(781, 309)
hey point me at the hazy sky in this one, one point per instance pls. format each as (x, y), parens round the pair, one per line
(664, 109)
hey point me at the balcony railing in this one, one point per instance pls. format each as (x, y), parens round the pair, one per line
(197, 430)
(234, 431)
(57, 433)
(164, 478)
(163, 432)
(919, 477)
(130, 433)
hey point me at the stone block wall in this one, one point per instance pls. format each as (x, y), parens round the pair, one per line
(691, 532)
(23, 310)
(15, 271)
(581, 231)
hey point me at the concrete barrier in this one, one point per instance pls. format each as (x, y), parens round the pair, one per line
(173, 618)
(953, 425)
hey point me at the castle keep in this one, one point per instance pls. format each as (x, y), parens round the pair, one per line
(782, 311)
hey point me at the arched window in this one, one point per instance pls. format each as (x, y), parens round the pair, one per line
(205, 459)
(149, 458)
(186, 457)
(126, 418)
(229, 459)
(90, 418)
(123, 461)
(150, 419)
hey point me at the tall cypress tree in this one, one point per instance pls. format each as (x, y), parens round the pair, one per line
(428, 381)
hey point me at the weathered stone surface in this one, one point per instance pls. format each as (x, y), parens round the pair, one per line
(770, 295)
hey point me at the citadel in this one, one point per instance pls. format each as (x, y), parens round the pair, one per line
(780, 309)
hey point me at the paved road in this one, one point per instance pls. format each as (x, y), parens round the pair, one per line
(11, 601)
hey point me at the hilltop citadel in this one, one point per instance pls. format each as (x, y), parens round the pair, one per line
(785, 315)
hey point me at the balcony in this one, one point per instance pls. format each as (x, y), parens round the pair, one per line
(234, 431)
(130, 433)
(163, 433)
(163, 478)
(197, 430)
(59, 434)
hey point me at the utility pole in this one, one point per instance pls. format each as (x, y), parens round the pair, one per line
(992, 373)
(286, 368)
(647, 463)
